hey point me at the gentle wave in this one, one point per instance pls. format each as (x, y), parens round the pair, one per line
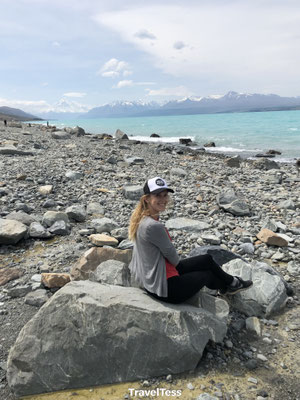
(160, 139)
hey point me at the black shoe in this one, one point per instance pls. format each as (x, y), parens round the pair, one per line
(242, 285)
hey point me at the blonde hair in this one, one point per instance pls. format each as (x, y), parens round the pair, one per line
(140, 211)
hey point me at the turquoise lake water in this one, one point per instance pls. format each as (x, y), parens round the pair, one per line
(239, 133)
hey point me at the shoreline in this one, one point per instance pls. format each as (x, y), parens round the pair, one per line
(104, 168)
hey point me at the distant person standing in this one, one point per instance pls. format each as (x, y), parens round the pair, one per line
(5, 122)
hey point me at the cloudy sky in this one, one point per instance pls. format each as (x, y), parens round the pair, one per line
(90, 52)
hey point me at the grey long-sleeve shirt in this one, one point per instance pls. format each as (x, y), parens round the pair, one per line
(151, 249)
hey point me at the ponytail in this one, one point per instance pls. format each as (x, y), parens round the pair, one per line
(140, 211)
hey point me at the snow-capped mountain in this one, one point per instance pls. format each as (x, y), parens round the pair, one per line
(64, 109)
(230, 102)
(121, 109)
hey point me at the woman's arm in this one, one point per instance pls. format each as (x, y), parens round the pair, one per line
(157, 235)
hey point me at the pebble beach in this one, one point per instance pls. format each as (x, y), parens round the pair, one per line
(90, 176)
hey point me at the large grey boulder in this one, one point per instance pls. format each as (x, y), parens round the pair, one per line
(266, 296)
(228, 201)
(91, 334)
(60, 135)
(186, 224)
(220, 255)
(113, 272)
(11, 231)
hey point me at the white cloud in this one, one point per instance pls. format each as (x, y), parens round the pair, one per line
(122, 84)
(56, 44)
(114, 68)
(42, 106)
(178, 45)
(253, 43)
(74, 94)
(144, 34)
(179, 91)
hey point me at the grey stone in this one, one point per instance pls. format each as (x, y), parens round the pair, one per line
(269, 224)
(103, 225)
(21, 216)
(247, 248)
(133, 192)
(36, 230)
(265, 297)
(134, 160)
(94, 208)
(265, 164)
(233, 162)
(119, 135)
(215, 305)
(293, 268)
(11, 231)
(287, 205)
(112, 272)
(206, 396)
(11, 150)
(220, 255)
(19, 291)
(116, 328)
(253, 325)
(186, 224)
(50, 217)
(37, 298)
(228, 201)
(60, 228)
(73, 175)
(49, 203)
(77, 131)
(76, 212)
(210, 238)
(178, 172)
(60, 135)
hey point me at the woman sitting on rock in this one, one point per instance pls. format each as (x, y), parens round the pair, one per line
(155, 263)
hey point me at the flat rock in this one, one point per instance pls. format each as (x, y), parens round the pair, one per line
(94, 208)
(55, 280)
(73, 175)
(11, 231)
(11, 150)
(134, 160)
(220, 255)
(60, 135)
(21, 216)
(99, 239)
(60, 228)
(271, 238)
(9, 274)
(95, 256)
(228, 201)
(186, 224)
(114, 326)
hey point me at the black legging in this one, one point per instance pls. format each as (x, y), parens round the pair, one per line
(194, 273)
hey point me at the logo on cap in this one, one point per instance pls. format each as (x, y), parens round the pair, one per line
(160, 182)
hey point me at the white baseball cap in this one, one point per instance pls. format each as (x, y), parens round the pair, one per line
(156, 185)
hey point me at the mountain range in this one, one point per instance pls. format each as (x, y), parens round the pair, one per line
(228, 103)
